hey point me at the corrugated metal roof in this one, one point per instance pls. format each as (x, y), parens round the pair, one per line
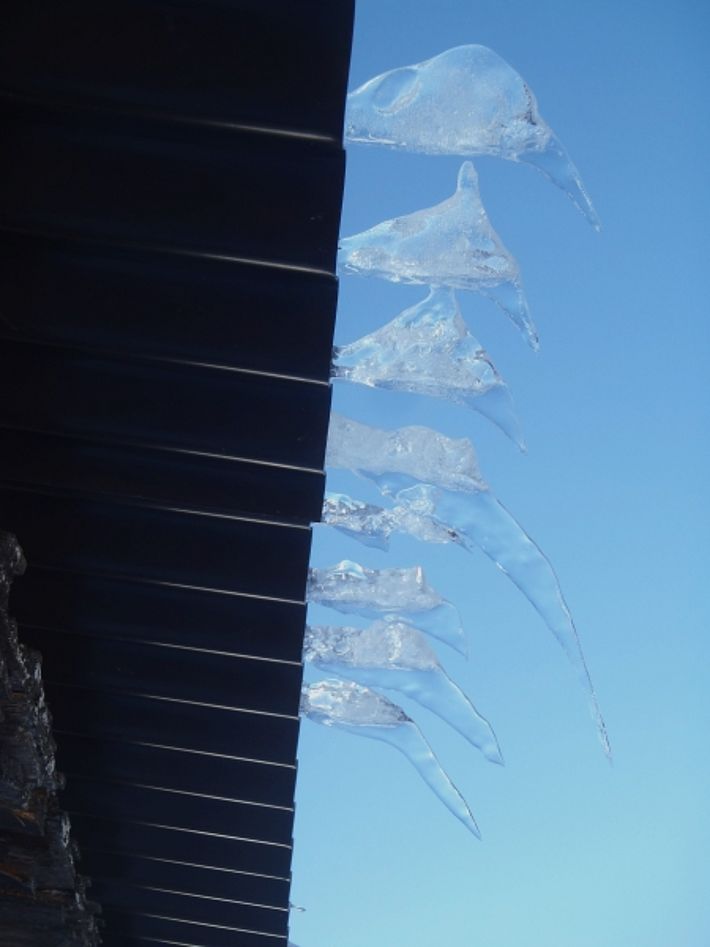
(169, 211)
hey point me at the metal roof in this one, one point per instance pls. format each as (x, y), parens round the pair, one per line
(169, 210)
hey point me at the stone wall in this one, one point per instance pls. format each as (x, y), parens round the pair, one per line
(43, 900)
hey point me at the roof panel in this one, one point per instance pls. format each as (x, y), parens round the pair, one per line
(169, 209)
(148, 611)
(271, 64)
(185, 547)
(181, 306)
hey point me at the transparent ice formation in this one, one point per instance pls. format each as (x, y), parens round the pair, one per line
(452, 244)
(450, 492)
(419, 453)
(395, 656)
(479, 519)
(466, 101)
(361, 711)
(373, 525)
(396, 594)
(428, 350)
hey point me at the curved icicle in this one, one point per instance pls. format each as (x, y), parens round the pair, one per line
(395, 656)
(364, 712)
(557, 166)
(466, 101)
(481, 520)
(451, 492)
(451, 244)
(428, 350)
(395, 594)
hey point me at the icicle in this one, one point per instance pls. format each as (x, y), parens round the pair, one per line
(373, 525)
(452, 244)
(396, 594)
(466, 101)
(428, 350)
(361, 711)
(479, 519)
(395, 656)
(438, 479)
(417, 453)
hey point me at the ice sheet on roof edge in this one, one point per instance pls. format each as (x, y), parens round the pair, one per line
(357, 709)
(428, 350)
(394, 594)
(466, 101)
(438, 480)
(373, 525)
(396, 656)
(451, 244)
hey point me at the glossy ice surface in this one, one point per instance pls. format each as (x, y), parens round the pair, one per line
(395, 594)
(428, 350)
(364, 712)
(438, 480)
(451, 244)
(465, 101)
(415, 452)
(395, 656)
(373, 525)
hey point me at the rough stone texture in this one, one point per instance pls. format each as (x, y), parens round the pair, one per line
(42, 899)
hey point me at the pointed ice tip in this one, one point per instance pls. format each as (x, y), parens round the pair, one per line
(606, 746)
(494, 755)
(527, 325)
(518, 438)
(468, 178)
(599, 721)
(509, 297)
(556, 165)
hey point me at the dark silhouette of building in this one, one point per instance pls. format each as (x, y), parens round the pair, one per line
(170, 189)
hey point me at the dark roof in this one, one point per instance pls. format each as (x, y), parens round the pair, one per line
(169, 210)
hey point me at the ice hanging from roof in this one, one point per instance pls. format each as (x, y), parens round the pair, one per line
(438, 479)
(428, 350)
(451, 244)
(373, 525)
(396, 594)
(395, 656)
(466, 101)
(364, 712)
(418, 453)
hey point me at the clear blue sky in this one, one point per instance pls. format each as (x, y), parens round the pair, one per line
(575, 853)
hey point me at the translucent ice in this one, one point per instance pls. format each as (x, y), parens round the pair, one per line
(369, 524)
(396, 594)
(373, 525)
(359, 710)
(466, 101)
(450, 491)
(397, 657)
(479, 519)
(428, 350)
(419, 453)
(451, 244)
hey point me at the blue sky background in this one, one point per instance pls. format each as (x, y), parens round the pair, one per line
(575, 853)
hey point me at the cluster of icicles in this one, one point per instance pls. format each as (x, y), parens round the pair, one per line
(467, 102)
